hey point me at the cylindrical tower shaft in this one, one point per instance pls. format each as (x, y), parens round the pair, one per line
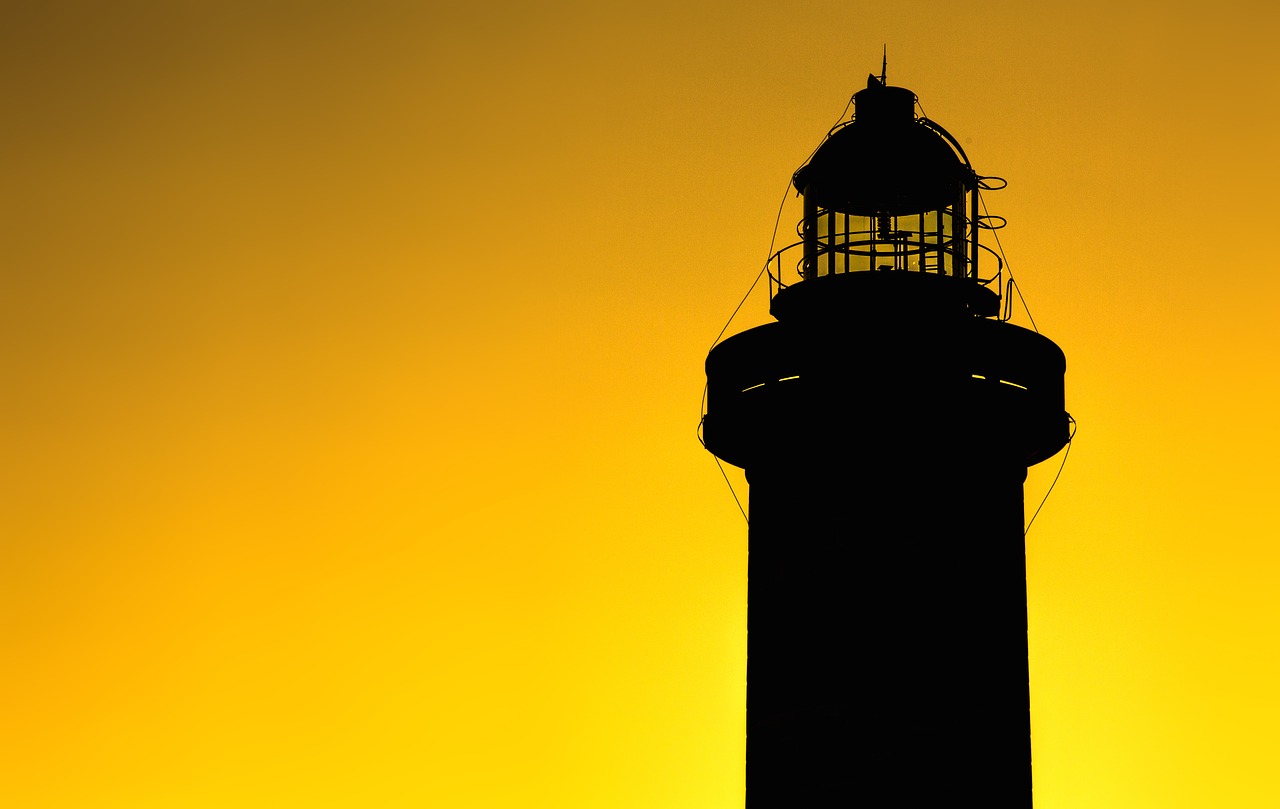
(887, 649)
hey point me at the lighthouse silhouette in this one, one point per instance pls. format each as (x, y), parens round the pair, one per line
(886, 421)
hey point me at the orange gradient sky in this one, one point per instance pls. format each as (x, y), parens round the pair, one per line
(352, 357)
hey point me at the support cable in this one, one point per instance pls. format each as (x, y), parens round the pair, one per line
(774, 238)
(1061, 466)
(702, 416)
(725, 475)
(1013, 284)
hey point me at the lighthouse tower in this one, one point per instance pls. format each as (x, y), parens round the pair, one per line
(886, 421)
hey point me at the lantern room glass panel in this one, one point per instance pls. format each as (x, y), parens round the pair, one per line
(914, 242)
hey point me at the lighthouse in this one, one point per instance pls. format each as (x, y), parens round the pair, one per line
(886, 420)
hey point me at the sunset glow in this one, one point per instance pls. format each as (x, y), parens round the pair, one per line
(353, 355)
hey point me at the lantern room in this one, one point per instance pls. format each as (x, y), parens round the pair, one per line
(890, 191)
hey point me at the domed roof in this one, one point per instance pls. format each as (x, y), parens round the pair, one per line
(885, 161)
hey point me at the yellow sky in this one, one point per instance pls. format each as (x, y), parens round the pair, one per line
(352, 357)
